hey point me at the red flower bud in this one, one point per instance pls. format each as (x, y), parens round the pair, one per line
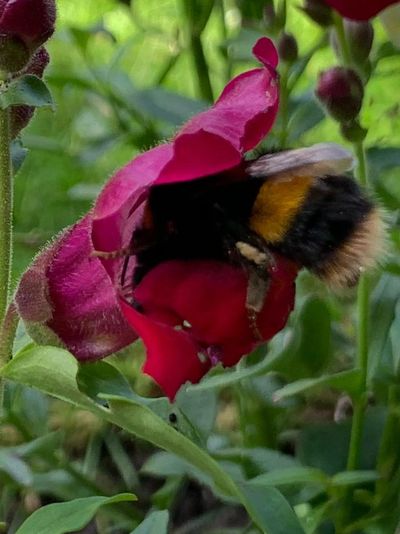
(287, 48)
(32, 21)
(21, 115)
(359, 36)
(318, 11)
(14, 53)
(358, 9)
(341, 91)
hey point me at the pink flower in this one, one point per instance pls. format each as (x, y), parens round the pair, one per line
(192, 313)
(358, 9)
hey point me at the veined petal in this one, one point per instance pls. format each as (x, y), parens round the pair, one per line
(68, 292)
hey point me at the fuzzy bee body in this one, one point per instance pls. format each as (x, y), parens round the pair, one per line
(296, 203)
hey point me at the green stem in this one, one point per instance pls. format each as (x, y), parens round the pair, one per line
(201, 67)
(7, 336)
(225, 36)
(361, 398)
(284, 107)
(342, 41)
(362, 338)
(5, 211)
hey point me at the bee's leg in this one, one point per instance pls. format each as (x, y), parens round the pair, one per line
(258, 266)
(258, 263)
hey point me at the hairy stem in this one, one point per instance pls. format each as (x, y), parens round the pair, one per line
(5, 211)
(7, 335)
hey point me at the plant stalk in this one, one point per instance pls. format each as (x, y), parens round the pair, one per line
(201, 67)
(342, 41)
(6, 202)
(360, 400)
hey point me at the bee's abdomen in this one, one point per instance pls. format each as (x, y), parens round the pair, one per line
(335, 231)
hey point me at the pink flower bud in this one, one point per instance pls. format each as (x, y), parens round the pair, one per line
(360, 9)
(341, 91)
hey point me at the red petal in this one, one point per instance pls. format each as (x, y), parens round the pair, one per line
(172, 356)
(207, 300)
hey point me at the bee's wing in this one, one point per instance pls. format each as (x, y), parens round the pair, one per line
(316, 160)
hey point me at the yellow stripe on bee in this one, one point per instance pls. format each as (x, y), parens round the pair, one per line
(276, 205)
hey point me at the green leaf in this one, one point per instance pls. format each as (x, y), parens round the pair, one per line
(60, 518)
(383, 159)
(121, 460)
(310, 349)
(383, 309)
(15, 468)
(325, 445)
(344, 381)
(261, 459)
(54, 371)
(18, 154)
(39, 446)
(155, 523)
(28, 90)
(161, 104)
(305, 116)
(354, 478)
(102, 377)
(50, 369)
(394, 335)
(271, 511)
(240, 47)
(290, 476)
(228, 378)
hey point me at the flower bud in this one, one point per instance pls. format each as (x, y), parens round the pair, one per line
(32, 21)
(360, 36)
(269, 17)
(21, 115)
(341, 91)
(14, 53)
(318, 11)
(287, 48)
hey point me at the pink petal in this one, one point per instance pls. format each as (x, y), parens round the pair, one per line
(119, 206)
(265, 51)
(216, 139)
(67, 291)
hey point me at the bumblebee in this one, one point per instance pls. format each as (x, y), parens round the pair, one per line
(297, 203)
